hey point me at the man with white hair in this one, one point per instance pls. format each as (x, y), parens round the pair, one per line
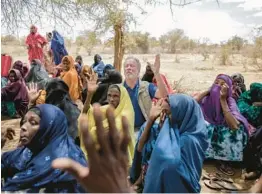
(141, 92)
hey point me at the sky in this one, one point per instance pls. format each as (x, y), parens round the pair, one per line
(205, 19)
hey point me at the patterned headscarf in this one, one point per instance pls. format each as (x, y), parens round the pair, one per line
(238, 85)
(31, 164)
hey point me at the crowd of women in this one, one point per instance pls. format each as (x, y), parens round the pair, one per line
(88, 129)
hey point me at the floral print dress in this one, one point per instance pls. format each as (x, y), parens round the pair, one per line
(226, 144)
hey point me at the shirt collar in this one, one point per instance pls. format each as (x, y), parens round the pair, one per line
(137, 84)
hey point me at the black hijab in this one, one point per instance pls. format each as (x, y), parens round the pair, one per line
(149, 74)
(57, 93)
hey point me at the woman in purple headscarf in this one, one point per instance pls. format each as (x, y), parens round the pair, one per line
(14, 95)
(19, 65)
(227, 128)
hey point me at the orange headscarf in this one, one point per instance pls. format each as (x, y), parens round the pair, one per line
(87, 71)
(72, 80)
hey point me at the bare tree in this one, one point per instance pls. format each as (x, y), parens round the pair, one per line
(106, 14)
(174, 3)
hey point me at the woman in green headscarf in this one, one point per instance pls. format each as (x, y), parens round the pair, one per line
(250, 104)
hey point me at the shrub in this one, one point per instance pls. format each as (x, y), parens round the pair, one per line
(224, 56)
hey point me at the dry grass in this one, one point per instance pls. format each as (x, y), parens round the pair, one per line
(257, 64)
(198, 74)
(224, 56)
(204, 68)
(178, 86)
(205, 55)
(177, 60)
(252, 57)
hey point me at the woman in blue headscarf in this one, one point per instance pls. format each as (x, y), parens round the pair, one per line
(176, 161)
(58, 47)
(43, 138)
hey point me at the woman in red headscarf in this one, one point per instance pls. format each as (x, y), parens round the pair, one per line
(35, 43)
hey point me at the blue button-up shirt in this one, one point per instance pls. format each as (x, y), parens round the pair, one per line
(133, 94)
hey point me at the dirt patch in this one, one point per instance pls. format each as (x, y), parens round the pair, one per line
(14, 124)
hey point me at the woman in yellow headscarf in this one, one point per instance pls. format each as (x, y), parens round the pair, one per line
(117, 97)
(70, 77)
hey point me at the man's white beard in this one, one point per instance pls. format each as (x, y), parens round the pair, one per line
(131, 76)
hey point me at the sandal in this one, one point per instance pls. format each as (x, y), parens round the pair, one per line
(227, 186)
(217, 184)
(216, 176)
(226, 169)
(212, 185)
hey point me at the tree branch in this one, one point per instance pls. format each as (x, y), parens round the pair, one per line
(184, 3)
(18, 14)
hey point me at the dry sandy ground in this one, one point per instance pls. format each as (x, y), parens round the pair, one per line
(196, 74)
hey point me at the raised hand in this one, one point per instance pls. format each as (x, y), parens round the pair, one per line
(8, 133)
(236, 92)
(107, 172)
(33, 92)
(156, 109)
(156, 67)
(59, 67)
(92, 84)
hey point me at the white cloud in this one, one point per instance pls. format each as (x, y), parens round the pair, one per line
(251, 25)
(216, 25)
(231, 1)
(250, 5)
(258, 14)
(157, 22)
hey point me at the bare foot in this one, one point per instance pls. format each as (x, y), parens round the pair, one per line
(251, 175)
(257, 188)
